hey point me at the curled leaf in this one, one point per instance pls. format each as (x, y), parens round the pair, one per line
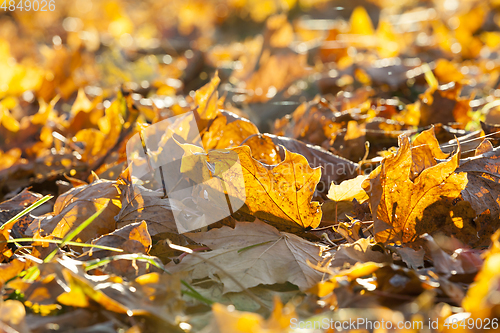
(398, 203)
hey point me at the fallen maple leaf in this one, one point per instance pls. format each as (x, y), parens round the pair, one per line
(424, 152)
(363, 250)
(333, 168)
(14, 206)
(281, 194)
(443, 262)
(135, 84)
(207, 100)
(265, 148)
(151, 294)
(342, 197)
(132, 238)
(398, 203)
(483, 180)
(75, 206)
(227, 130)
(444, 105)
(151, 208)
(413, 259)
(253, 253)
(348, 190)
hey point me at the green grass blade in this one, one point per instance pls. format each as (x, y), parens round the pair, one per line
(92, 264)
(194, 294)
(31, 273)
(58, 241)
(69, 237)
(27, 210)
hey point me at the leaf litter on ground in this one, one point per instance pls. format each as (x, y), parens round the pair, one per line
(366, 134)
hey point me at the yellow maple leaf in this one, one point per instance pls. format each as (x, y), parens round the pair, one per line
(281, 194)
(398, 203)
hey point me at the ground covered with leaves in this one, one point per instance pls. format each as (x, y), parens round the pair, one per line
(366, 135)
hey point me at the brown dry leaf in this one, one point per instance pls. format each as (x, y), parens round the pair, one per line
(78, 318)
(443, 262)
(11, 207)
(333, 168)
(281, 194)
(15, 205)
(42, 293)
(311, 122)
(253, 253)
(483, 181)
(491, 128)
(461, 223)
(41, 248)
(363, 250)
(151, 208)
(132, 238)
(444, 106)
(75, 206)
(154, 294)
(484, 147)
(414, 259)
(468, 141)
(341, 210)
(151, 294)
(398, 203)
(397, 280)
(350, 142)
(352, 232)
